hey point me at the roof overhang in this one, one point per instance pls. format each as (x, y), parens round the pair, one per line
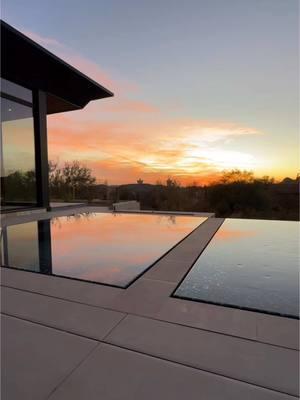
(26, 63)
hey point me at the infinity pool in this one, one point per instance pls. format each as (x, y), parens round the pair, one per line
(248, 264)
(106, 248)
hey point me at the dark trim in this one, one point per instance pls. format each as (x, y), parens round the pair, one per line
(16, 99)
(41, 148)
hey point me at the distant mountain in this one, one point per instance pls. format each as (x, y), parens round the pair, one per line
(138, 187)
(288, 180)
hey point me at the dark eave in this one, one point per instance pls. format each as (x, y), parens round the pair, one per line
(26, 63)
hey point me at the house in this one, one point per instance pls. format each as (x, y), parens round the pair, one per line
(34, 84)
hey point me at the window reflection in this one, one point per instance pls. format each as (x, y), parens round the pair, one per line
(18, 178)
(27, 246)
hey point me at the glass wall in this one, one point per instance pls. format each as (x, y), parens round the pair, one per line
(18, 175)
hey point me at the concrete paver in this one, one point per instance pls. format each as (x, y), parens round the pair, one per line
(257, 363)
(69, 289)
(36, 359)
(92, 322)
(113, 373)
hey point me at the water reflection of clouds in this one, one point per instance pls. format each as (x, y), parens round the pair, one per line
(108, 248)
(112, 247)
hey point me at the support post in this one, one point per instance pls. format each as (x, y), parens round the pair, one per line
(41, 148)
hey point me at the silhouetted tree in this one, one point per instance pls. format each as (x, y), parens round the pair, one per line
(239, 193)
(20, 186)
(73, 177)
(236, 175)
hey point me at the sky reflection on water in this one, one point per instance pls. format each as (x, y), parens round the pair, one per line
(106, 248)
(249, 264)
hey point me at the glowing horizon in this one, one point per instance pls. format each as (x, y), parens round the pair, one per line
(189, 151)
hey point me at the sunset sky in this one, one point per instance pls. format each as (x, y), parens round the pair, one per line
(200, 85)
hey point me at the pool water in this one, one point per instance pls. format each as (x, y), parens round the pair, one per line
(105, 248)
(251, 264)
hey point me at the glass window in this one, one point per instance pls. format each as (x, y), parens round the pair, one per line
(16, 90)
(18, 177)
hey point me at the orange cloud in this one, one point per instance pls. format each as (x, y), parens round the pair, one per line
(124, 150)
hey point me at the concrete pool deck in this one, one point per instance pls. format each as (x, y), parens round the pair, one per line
(67, 339)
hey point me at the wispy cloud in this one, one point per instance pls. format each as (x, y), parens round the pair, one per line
(43, 40)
